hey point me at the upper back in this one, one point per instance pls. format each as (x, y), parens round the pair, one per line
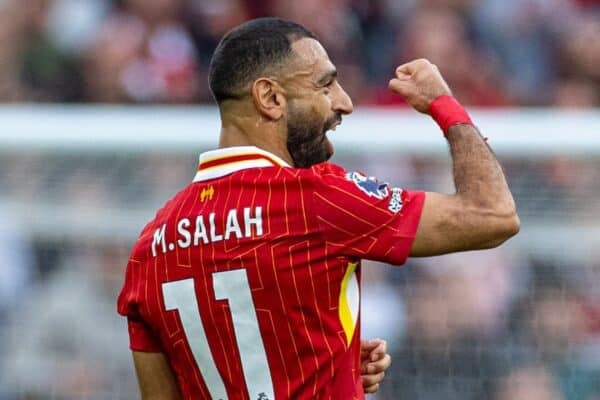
(248, 279)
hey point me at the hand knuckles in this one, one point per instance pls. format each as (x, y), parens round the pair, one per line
(368, 380)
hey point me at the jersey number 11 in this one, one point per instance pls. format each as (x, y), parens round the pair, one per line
(234, 287)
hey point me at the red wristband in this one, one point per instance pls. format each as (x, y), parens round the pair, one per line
(447, 112)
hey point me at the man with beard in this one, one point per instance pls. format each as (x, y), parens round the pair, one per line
(246, 283)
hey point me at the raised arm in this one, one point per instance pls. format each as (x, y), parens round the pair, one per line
(482, 213)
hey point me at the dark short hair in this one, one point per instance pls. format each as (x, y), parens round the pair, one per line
(248, 51)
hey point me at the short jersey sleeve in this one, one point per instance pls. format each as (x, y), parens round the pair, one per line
(141, 336)
(364, 217)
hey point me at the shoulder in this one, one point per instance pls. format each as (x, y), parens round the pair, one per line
(326, 178)
(328, 169)
(313, 177)
(330, 177)
(163, 214)
(322, 171)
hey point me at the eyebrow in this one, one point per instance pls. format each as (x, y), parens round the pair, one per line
(327, 77)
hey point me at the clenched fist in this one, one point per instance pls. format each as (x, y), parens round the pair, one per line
(419, 82)
(374, 360)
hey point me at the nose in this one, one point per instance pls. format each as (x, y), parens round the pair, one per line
(342, 102)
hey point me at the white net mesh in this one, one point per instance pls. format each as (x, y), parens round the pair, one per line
(521, 322)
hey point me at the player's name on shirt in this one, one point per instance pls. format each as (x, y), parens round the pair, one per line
(192, 231)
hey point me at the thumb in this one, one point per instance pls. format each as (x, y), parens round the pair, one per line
(366, 346)
(409, 68)
(379, 351)
(402, 87)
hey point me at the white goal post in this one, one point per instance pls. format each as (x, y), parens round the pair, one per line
(523, 132)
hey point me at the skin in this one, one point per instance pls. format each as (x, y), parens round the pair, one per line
(306, 93)
(155, 377)
(374, 361)
(481, 214)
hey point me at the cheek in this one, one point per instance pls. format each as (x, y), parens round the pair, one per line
(321, 106)
(326, 98)
(316, 107)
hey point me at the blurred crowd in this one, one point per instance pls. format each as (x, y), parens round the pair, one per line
(493, 53)
(491, 326)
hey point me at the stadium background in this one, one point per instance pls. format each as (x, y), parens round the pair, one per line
(77, 181)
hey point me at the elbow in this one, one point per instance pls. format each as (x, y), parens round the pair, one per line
(511, 226)
(515, 225)
(506, 226)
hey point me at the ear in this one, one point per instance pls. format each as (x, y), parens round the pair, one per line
(268, 97)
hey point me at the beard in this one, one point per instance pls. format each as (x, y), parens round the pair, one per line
(307, 141)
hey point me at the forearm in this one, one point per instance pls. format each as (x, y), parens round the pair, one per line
(478, 176)
(479, 180)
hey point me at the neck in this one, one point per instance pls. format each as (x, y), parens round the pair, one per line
(238, 129)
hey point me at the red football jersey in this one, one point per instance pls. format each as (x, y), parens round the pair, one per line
(248, 279)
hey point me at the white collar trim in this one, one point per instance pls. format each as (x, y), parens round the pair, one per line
(220, 162)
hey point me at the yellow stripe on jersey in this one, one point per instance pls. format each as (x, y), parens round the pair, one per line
(224, 157)
(349, 302)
